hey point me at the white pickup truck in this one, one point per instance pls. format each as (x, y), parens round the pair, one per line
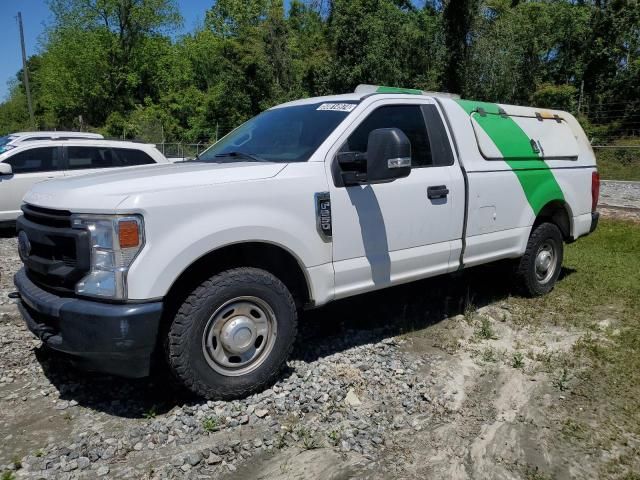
(206, 264)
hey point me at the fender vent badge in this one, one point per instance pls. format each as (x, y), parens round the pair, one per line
(323, 215)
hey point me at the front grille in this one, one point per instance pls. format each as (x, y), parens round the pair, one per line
(64, 251)
(58, 255)
(47, 216)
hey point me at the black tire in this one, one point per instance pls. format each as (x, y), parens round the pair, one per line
(529, 276)
(189, 359)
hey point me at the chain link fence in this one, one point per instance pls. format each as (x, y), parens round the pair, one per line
(619, 162)
(181, 151)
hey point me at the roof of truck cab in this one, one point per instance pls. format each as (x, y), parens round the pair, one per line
(356, 97)
(496, 131)
(470, 105)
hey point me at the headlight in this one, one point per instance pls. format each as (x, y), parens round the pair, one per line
(115, 242)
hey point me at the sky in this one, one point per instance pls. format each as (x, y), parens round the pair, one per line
(35, 14)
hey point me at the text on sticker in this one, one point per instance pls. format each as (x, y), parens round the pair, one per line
(338, 107)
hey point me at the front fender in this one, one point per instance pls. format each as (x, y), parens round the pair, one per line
(182, 226)
(171, 250)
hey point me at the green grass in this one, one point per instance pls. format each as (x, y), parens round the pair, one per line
(600, 295)
(619, 163)
(561, 379)
(488, 355)
(151, 413)
(517, 360)
(334, 437)
(601, 274)
(211, 424)
(308, 439)
(532, 473)
(484, 330)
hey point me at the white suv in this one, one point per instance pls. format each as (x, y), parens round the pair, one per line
(31, 162)
(13, 140)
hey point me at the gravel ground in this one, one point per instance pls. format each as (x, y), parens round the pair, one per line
(620, 194)
(394, 384)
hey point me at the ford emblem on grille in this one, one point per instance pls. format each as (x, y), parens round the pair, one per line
(24, 245)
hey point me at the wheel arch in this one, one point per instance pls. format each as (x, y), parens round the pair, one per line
(559, 213)
(274, 258)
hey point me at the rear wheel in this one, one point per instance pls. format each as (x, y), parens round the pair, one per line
(233, 334)
(540, 266)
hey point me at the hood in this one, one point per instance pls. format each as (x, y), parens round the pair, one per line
(104, 191)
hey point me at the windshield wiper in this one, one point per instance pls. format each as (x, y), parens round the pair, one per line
(246, 156)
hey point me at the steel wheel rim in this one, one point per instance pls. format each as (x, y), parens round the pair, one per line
(545, 263)
(239, 336)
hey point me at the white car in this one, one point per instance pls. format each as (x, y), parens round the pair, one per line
(7, 142)
(208, 263)
(32, 162)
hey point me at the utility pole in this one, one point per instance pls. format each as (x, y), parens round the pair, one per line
(25, 74)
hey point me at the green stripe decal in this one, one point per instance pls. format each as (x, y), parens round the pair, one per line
(537, 180)
(410, 91)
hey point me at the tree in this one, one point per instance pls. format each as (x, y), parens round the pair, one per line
(518, 47)
(14, 115)
(560, 97)
(458, 16)
(115, 62)
(381, 42)
(103, 55)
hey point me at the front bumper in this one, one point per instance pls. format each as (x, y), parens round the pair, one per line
(111, 338)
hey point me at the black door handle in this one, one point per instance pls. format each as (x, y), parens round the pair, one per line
(439, 191)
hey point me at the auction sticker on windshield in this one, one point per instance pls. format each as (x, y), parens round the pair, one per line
(338, 107)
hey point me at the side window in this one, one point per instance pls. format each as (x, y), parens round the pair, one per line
(407, 118)
(440, 144)
(129, 157)
(90, 157)
(34, 160)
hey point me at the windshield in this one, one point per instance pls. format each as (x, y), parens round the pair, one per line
(287, 134)
(4, 142)
(6, 139)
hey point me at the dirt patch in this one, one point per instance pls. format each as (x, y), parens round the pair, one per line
(490, 404)
(620, 213)
(297, 464)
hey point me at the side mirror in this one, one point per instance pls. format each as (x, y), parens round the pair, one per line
(388, 155)
(5, 169)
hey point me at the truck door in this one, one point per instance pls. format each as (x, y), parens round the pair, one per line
(389, 233)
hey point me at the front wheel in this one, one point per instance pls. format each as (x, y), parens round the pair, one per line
(539, 267)
(233, 334)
